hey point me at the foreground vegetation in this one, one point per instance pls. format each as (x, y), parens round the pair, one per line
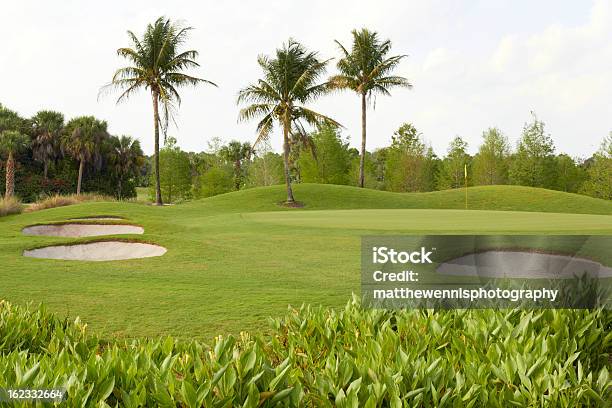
(324, 358)
(236, 258)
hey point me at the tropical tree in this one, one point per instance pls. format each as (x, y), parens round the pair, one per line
(47, 128)
(81, 139)
(290, 81)
(126, 158)
(11, 142)
(367, 70)
(157, 65)
(236, 153)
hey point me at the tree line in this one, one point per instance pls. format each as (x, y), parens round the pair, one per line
(44, 155)
(407, 164)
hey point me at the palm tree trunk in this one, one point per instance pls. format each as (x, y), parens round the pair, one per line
(10, 175)
(286, 125)
(158, 196)
(363, 141)
(81, 164)
(46, 169)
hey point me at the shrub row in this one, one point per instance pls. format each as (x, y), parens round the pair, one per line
(321, 357)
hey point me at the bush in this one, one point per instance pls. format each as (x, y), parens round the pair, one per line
(64, 200)
(216, 180)
(324, 358)
(10, 205)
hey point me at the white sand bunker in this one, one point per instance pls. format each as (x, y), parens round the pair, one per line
(82, 230)
(515, 264)
(98, 251)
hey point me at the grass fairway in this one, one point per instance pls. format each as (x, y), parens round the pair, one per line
(235, 259)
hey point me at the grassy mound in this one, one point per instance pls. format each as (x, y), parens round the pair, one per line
(323, 358)
(331, 197)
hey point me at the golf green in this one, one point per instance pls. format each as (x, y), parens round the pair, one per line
(233, 260)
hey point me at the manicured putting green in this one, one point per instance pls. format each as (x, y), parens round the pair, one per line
(439, 221)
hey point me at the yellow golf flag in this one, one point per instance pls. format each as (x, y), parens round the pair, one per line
(465, 171)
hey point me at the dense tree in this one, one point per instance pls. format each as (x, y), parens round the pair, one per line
(329, 162)
(452, 168)
(290, 81)
(490, 165)
(126, 158)
(408, 161)
(265, 168)
(237, 154)
(11, 142)
(367, 70)
(47, 127)
(599, 172)
(216, 180)
(568, 174)
(175, 173)
(533, 164)
(157, 64)
(81, 140)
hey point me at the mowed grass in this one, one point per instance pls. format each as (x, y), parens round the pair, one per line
(235, 259)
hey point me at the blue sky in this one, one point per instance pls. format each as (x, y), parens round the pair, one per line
(474, 64)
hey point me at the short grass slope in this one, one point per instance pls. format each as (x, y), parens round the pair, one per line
(236, 259)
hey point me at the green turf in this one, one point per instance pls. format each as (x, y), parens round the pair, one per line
(235, 259)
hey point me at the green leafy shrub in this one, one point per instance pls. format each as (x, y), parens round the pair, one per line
(323, 358)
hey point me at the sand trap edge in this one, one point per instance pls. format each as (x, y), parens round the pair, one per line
(98, 251)
(81, 229)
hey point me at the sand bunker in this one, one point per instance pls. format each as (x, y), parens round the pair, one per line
(515, 264)
(98, 251)
(81, 230)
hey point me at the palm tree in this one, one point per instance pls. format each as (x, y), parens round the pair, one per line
(127, 158)
(290, 80)
(11, 143)
(47, 126)
(366, 70)
(81, 140)
(236, 153)
(157, 63)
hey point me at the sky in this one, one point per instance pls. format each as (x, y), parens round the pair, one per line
(473, 65)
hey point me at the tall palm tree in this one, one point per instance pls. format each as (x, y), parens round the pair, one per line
(290, 80)
(81, 140)
(236, 153)
(366, 70)
(127, 158)
(47, 127)
(11, 143)
(157, 62)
